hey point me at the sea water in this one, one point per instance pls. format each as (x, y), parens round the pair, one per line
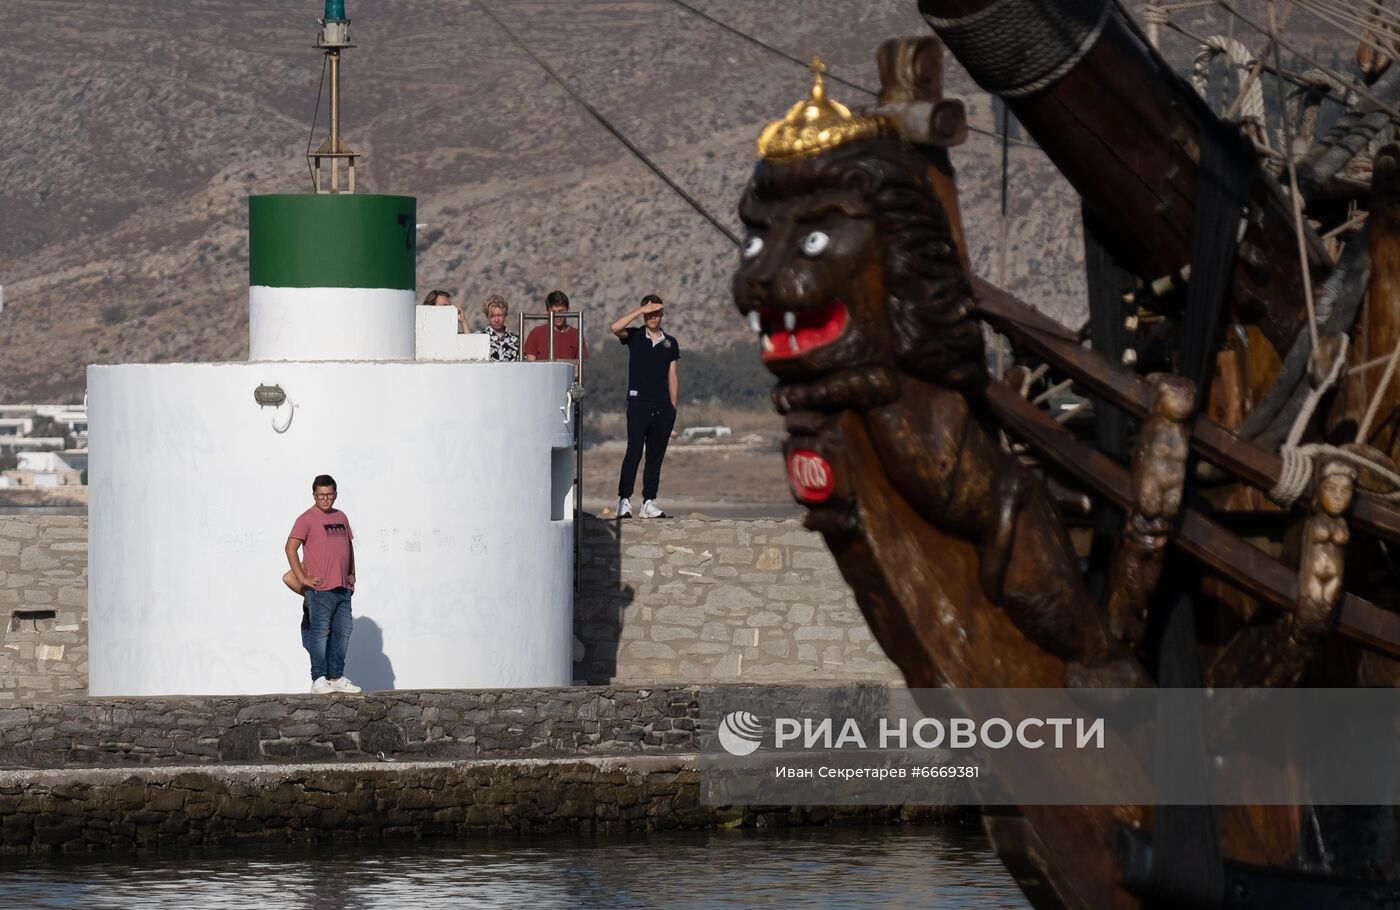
(899, 867)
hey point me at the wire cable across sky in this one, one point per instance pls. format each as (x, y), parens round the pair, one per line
(607, 125)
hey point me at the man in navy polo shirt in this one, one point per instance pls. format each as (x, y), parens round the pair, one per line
(653, 390)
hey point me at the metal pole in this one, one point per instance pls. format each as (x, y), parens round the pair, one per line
(578, 492)
(578, 355)
(334, 56)
(578, 457)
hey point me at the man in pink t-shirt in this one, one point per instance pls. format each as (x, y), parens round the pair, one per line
(326, 574)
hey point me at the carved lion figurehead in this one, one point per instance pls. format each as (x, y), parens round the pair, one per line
(849, 262)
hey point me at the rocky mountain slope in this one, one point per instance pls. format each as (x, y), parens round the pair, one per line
(131, 134)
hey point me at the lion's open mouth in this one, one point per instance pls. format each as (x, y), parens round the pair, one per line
(790, 333)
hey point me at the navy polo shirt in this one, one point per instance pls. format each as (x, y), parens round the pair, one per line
(648, 365)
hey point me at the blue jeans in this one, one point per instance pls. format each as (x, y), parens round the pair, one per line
(329, 636)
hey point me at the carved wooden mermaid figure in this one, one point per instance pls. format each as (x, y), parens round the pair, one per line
(850, 277)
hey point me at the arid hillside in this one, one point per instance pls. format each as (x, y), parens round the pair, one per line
(131, 135)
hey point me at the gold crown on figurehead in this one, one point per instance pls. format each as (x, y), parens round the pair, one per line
(814, 125)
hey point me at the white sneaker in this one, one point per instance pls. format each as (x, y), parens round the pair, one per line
(343, 684)
(651, 510)
(624, 508)
(322, 687)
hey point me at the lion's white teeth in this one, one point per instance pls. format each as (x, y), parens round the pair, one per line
(755, 325)
(792, 341)
(789, 320)
(767, 344)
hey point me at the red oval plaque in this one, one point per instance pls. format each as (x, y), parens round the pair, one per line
(810, 475)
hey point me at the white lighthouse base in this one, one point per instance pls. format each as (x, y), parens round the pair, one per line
(457, 481)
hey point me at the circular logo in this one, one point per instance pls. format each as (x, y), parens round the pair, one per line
(740, 733)
(810, 475)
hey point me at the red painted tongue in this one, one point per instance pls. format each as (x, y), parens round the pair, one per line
(814, 330)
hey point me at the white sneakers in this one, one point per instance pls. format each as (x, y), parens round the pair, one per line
(325, 686)
(649, 509)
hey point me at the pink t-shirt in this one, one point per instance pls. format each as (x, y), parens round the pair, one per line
(325, 551)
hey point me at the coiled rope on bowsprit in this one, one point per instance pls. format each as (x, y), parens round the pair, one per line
(1251, 109)
(1015, 48)
(1299, 461)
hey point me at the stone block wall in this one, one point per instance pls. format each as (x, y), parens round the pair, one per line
(95, 809)
(666, 600)
(412, 725)
(416, 725)
(43, 606)
(698, 599)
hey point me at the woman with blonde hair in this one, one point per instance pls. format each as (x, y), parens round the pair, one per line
(505, 344)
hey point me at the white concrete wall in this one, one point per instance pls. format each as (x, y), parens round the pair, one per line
(436, 338)
(300, 324)
(465, 580)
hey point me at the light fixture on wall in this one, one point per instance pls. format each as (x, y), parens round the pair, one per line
(269, 396)
(274, 396)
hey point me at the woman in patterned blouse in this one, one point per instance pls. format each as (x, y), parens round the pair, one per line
(505, 344)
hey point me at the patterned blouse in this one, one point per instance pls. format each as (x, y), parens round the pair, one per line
(505, 347)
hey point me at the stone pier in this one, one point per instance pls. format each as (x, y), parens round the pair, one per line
(666, 608)
(95, 809)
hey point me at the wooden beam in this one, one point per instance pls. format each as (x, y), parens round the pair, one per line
(1243, 564)
(1241, 457)
(1125, 131)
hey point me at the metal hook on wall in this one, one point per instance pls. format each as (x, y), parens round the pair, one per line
(291, 410)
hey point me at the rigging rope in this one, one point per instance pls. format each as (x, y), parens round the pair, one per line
(1364, 431)
(1320, 14)
(607, 125)
(315, 113)
(1363, 91)
(1372, 20)
(1252, 109)
(805, 64)
(1302, 80)
(1295, 199)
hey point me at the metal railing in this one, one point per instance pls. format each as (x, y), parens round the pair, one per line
(575, 396)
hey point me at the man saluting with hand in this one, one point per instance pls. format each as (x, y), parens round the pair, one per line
(653, 393)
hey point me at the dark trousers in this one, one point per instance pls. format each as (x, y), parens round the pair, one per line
(649, 424)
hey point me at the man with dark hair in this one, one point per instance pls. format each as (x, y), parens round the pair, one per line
(566, 338)
(326, 572)
(653, 394)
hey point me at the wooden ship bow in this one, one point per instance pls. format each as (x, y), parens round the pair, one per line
(1224, 518)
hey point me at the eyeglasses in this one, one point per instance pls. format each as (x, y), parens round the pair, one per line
(325, 495)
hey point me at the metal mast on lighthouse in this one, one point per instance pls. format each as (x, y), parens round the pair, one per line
(333, 38)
